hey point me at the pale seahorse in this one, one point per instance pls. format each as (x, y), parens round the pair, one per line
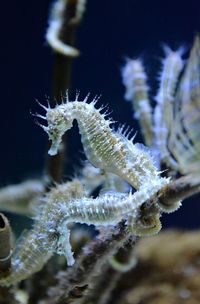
(105, 148)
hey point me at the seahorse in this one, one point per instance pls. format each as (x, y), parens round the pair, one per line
(105, 148)
(66, 204)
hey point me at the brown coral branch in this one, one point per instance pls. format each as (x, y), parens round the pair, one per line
(62, 79)
(179, 190)
(73, 283)
(168, 198)
(102, 281)
(62, 67)
(7, 295)
(5, 246)
(102, 286)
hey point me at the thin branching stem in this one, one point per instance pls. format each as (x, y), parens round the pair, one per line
(62, 80)
(7, 295)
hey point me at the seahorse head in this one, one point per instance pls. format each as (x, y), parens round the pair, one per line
(58, 123)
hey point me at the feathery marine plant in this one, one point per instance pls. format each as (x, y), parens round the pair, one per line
(183, 142)
(171, 129)
(172, 67)
(155, 125)
(134, 80)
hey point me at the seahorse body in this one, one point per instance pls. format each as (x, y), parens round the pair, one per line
(107, 149)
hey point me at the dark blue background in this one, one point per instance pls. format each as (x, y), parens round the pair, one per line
(110, 31)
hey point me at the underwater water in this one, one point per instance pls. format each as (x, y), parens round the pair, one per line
(111, 31)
